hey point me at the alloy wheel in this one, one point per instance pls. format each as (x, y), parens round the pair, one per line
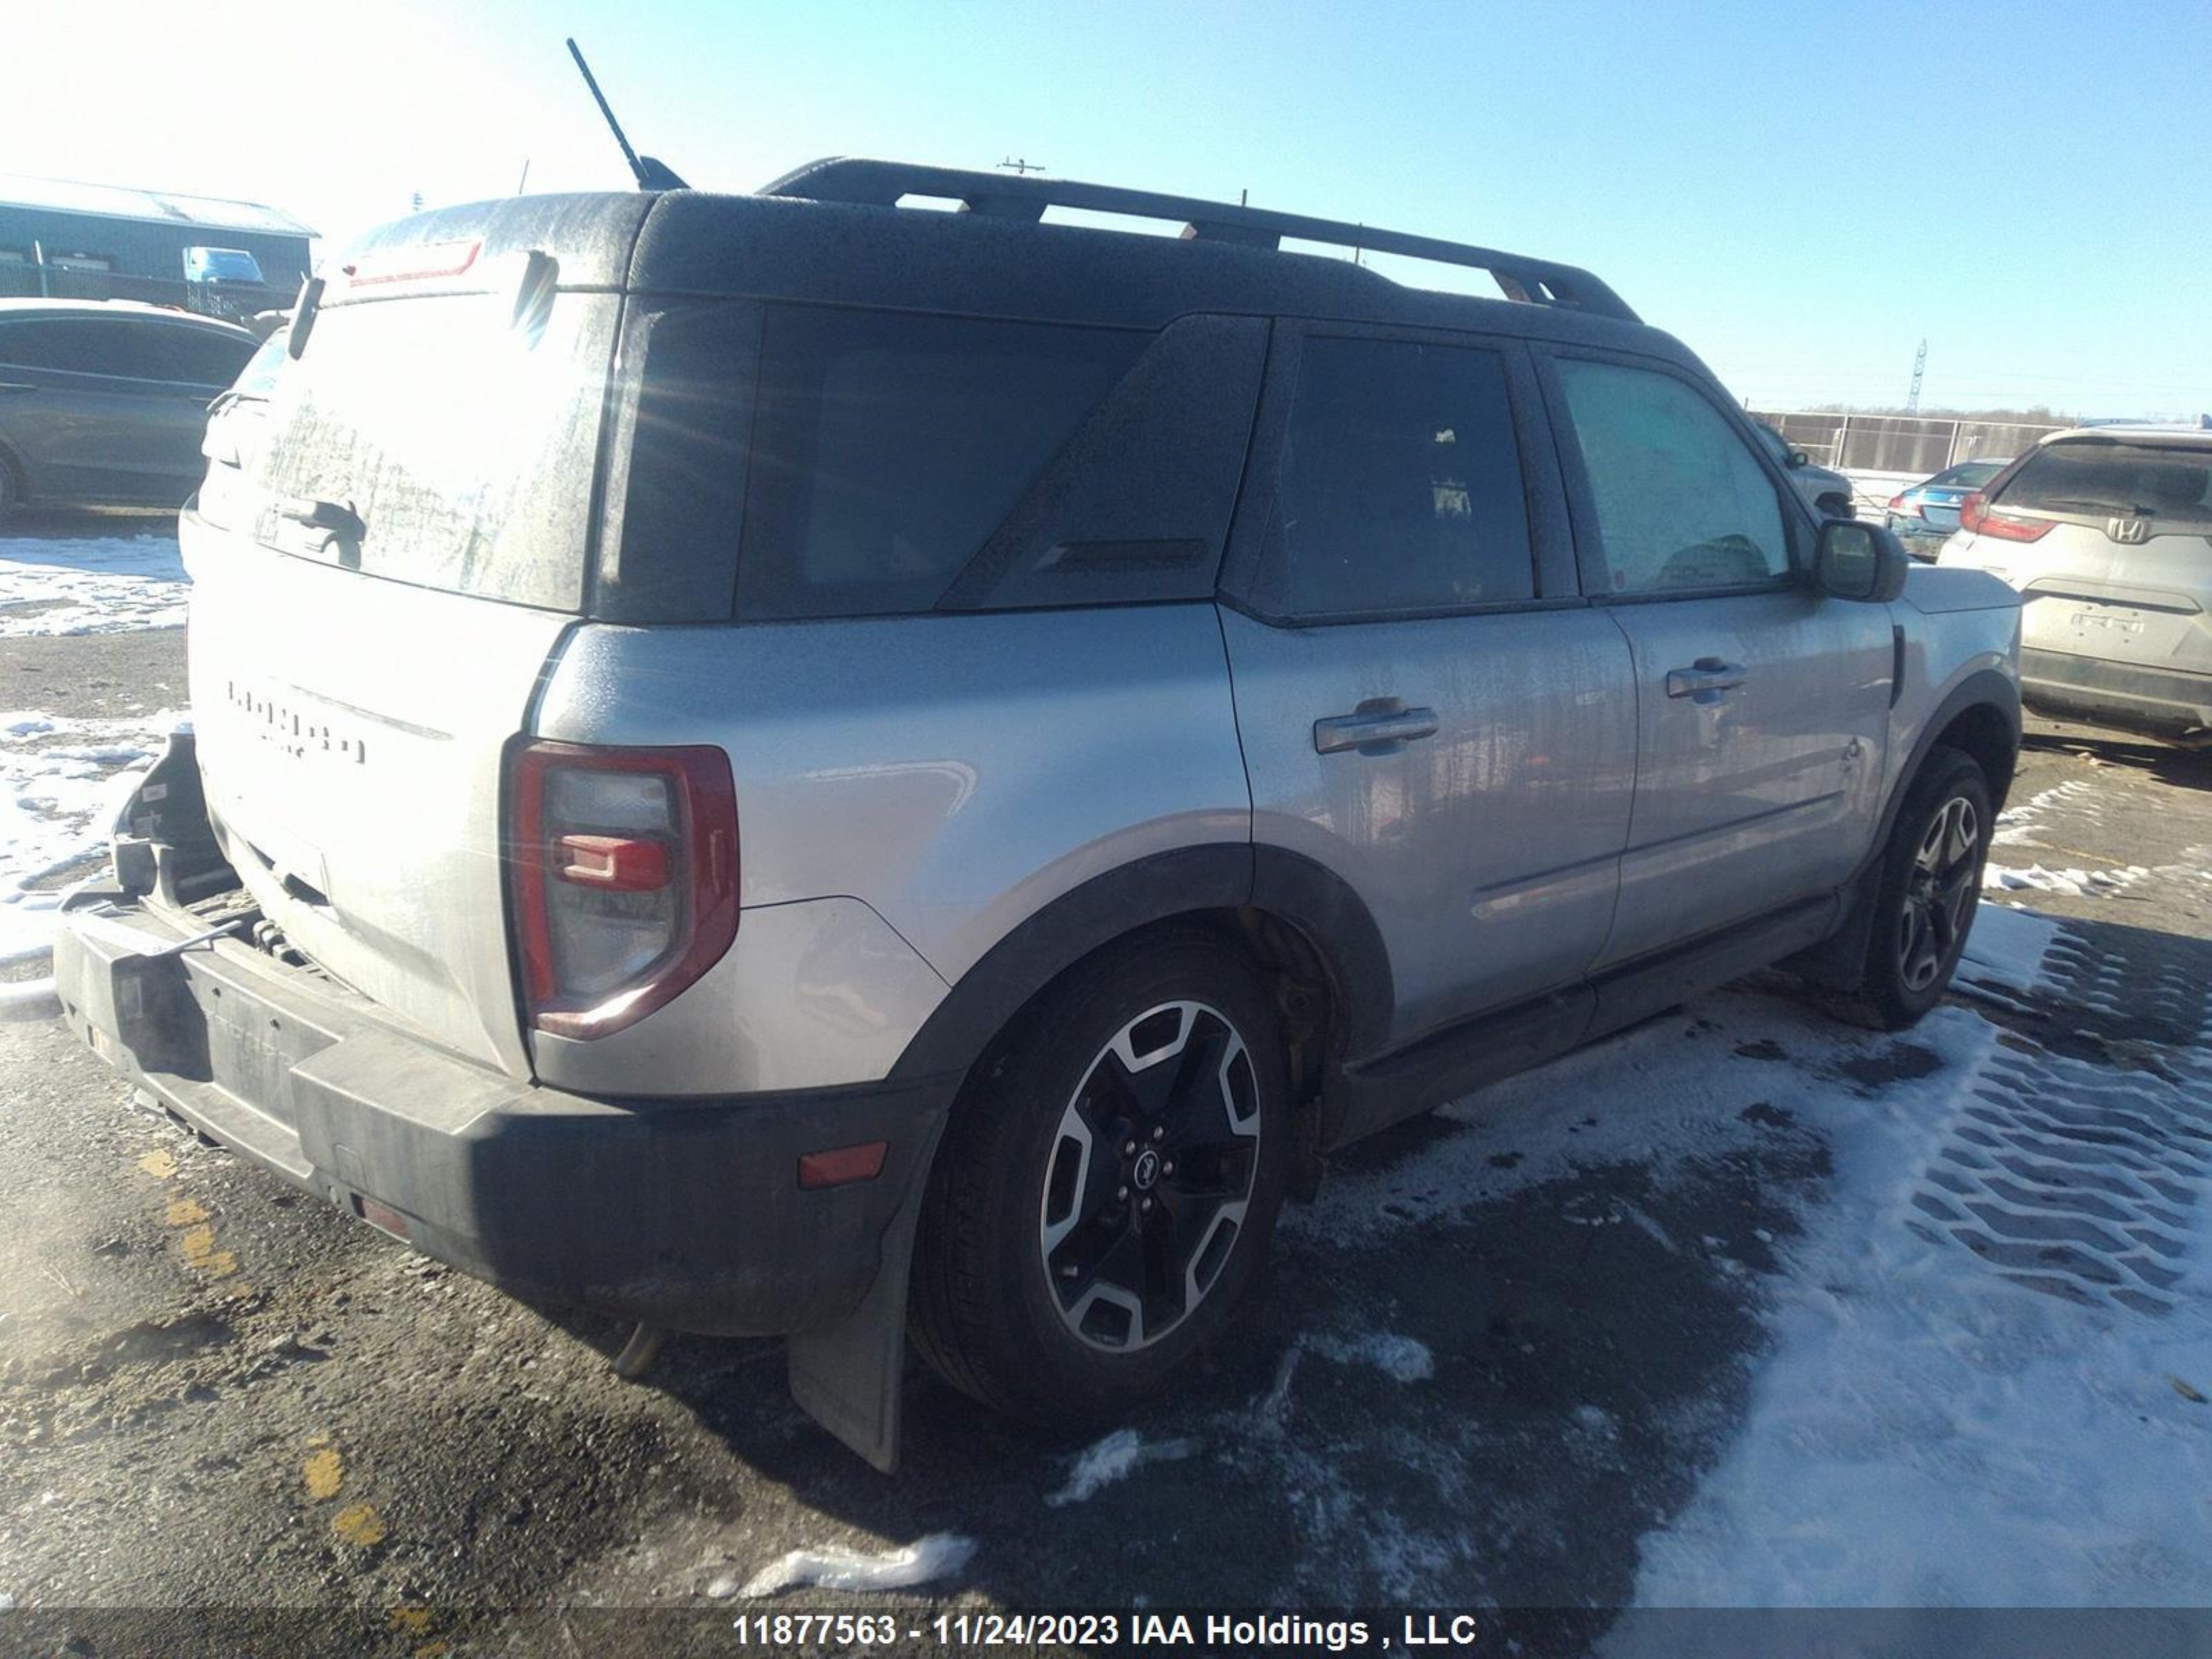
(1939, 893)
(1150, 1175)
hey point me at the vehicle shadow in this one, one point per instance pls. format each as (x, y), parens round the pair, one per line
(1456, 1383)
(2184, 768)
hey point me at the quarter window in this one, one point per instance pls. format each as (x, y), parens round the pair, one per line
(1400, 485)
(887, 447)
(1682, 503)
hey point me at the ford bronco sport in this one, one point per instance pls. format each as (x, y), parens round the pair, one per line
(794, 764)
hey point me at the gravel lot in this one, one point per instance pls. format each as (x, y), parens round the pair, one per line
(1507, 1347)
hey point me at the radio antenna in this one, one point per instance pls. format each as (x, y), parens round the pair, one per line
(649, 173)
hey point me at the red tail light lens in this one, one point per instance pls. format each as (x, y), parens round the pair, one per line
(624, 875)
(1974, 515)
(1895, 502)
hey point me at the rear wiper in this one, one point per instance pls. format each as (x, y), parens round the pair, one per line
(335, 517)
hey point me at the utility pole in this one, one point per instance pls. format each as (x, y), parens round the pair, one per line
(1919, 367)
(1019, 165)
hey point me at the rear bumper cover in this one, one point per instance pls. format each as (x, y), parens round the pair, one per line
(2166, 702)
(684, 1213)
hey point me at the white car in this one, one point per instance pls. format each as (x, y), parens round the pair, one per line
(2104, 531)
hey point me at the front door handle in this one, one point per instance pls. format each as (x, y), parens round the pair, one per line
(1705, 679)
(1374, 730)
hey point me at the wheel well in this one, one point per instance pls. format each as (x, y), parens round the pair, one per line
(1298, 975)
(1983, 731)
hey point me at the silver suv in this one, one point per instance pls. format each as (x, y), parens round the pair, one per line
(2105, 533)
(787, 764)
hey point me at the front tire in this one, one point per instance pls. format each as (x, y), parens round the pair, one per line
(1108, 1184)
(1931, 886)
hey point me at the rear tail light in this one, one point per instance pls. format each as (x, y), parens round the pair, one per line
(1974, 516)
(624, 870)
(1896, 502)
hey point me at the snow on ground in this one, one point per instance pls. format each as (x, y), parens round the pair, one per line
(61, 783)
(2074, 884)
(1984, 1386)
(1116, 1457)
(90, 585)
(926, 1560)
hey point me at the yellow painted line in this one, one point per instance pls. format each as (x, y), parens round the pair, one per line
(161, 1164)
(200, 1252)
(415, 1621)
(360, 1525)
(324, 1472)
(183, 1212)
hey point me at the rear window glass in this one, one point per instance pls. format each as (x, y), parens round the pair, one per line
(1968, 474)
(887, 447)
(464, 443)
(2110, 477)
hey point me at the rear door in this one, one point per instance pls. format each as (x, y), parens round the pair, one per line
(1427, 709)
(374, 597)
(1763, 706)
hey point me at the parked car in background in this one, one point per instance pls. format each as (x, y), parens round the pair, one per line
(1928, 512)
(2107, 533)
(788, 765)
(1827, 491)
(104, 402)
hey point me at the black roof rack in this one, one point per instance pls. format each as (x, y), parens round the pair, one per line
(863, 182)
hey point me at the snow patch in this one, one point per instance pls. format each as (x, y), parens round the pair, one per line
(1400, 1358)
(57, 801)
(94, 585)
(927, 1559)
(1116, 1457)
(2074, 884)
(1943, 1426)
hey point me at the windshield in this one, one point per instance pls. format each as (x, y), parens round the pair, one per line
(2169, 482)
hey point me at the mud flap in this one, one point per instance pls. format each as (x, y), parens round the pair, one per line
(847, 1376)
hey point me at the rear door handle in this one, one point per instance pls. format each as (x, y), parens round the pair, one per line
(1705, 679)
(1381, 732)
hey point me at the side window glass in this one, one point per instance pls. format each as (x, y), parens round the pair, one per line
(1400, 483)
(31, 346)
(1682, 504)
(198, 357)
(887, 447)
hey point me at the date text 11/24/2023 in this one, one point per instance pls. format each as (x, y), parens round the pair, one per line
(1270, 1632)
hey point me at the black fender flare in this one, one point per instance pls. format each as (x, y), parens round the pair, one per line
(1230, 876)
(1834, 963)
(1986, 687)
(846, 1376)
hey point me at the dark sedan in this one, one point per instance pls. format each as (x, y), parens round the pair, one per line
(104, 402)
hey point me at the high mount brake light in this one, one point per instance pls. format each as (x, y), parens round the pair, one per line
(623, 877)
(1975, 516)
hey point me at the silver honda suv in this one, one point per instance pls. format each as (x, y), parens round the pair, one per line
(2106, 532)
(788, 764)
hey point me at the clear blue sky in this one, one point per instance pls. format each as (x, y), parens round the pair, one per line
(1801, 191)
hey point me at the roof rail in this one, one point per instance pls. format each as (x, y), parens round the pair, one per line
(881, 184)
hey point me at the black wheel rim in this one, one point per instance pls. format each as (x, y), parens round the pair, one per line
(1150, 1176)
(1939, 894)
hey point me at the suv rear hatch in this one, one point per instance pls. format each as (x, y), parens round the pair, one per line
(2109, 539)
(378, 579)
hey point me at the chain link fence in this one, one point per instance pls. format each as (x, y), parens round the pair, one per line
(1918, 445)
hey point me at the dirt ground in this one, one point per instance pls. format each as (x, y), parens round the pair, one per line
(217, 1395)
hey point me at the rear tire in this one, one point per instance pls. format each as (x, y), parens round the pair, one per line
(1092, 1225)
(1930, 887)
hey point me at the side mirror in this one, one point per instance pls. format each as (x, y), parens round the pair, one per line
(1856, 560)
(1795, 459)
